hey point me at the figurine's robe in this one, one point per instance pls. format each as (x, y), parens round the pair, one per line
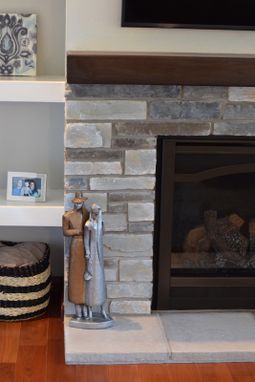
(95, 287)
(74, 221)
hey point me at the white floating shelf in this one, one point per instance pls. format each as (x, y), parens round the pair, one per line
(39, 214)
(32, 89)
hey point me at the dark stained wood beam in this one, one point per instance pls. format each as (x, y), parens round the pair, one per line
(159, 69)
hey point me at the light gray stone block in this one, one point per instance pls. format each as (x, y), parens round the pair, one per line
(140, 162)
(78, 183)
(140, 227)
(130, 307)
(242, 94)
(132, 196)
(117, 207)
(234, 128)
(88, 135)
(115, 222)
(111, 269)
(128, 245)
(129, 290)
(184, 110)
(239, 111)
(135, 270)
(106, 109)
(140, 212)
(204, 93)
(93, 168)
(98, 198)
(124, 183)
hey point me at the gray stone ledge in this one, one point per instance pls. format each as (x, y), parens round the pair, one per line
(205, 93)
(92, 155)
(239, 111)
(145, 129)
(134, 143)
(122, 91)
(132, 196)
(124, 183)
(184, 110)
(106, 110)
(234, 128)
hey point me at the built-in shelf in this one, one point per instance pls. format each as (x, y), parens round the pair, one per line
(43, 214)
(32, 89)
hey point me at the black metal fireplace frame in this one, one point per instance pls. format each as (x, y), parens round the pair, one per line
(162, 280)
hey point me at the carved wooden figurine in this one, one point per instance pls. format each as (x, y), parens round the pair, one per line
(73, 226)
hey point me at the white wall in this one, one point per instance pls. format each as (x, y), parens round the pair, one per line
(94, 25)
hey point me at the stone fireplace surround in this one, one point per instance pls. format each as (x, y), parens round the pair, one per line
(110, 154)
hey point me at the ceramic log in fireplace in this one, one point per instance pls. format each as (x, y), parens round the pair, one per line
(205, 225)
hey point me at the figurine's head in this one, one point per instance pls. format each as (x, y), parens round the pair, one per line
(78, 199)
(95, 211)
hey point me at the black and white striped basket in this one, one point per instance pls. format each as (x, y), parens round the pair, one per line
(25, 290)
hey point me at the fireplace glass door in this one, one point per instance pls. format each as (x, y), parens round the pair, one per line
(206, 224)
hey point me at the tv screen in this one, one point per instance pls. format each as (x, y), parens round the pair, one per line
(209, 14)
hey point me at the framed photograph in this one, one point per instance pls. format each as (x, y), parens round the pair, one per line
(26, 186)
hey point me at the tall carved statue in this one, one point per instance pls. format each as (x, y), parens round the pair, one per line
(73, 226)
(94, 276)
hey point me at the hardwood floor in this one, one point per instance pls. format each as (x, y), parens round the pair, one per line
(33, 351)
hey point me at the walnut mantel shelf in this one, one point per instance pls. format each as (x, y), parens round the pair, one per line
(158, 69)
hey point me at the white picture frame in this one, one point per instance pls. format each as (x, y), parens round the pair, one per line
(26, 186)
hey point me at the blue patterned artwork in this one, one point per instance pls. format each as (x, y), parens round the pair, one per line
(18, 43)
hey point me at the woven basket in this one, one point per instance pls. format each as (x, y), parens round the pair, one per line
(25, 290)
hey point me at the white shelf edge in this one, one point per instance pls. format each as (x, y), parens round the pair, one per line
(32, 89)
(43, 214)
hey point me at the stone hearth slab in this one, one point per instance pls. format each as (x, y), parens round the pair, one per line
(166, 337)
(132, 339)
(210, 336)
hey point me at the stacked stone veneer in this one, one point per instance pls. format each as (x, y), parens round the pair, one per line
(110, 155)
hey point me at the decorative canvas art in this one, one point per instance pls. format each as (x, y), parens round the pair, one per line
(18, 44)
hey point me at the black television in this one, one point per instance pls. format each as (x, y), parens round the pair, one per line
(200, 14)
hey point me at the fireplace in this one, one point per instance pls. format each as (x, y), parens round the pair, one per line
(119, 108)
(205, 246)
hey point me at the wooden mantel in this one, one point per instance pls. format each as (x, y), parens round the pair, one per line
(157, 69)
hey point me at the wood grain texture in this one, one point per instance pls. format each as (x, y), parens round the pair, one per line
(30, 366)
(159, 69)
(7, 372)
(42, 360)
(9, 341)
